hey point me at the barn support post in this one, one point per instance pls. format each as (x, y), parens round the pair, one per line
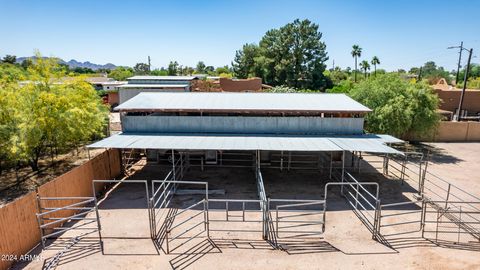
(289, 160)
(385, 164)
(281, 161)
(352, 161)
(359, 161)
(331, 164)
(173, 165)
(343, 170)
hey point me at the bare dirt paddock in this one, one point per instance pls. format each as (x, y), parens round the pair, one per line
(345, 244)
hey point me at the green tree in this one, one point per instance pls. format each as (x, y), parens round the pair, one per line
(375, 62)
(414, 70)
(210, 70)
(141, 69)
(11, 73)
(224, 70)
(172, 68)
(365, 66)
(399, 107)
(225, 75)
(244, 64)
(474, 72)
(121, 73)
(46, 115)
(293, 55)
(336, 75)
(356, 52)
(26, 63)
(83, 70)
(432, 73)
(10, 59)
(343, 87)
(200, 69)
(9, 97)
(159, 72)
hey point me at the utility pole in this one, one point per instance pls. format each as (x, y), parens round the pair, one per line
(149, 65)
(459, 59)
(465, 79)
(333, 65)
(420, 74)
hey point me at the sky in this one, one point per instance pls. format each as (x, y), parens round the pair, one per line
(400, 33)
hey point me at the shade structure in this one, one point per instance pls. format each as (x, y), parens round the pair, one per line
(362, 143)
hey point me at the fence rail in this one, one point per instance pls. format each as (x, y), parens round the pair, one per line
(439, 198)
(296, 218)
(53, 221)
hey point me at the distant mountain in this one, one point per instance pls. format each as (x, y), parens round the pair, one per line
(74, 63)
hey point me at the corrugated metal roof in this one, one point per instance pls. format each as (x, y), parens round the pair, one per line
(166, 78)
(389, 138)
(363, 144)
(252, 142)
(279, 102)
(131, 85)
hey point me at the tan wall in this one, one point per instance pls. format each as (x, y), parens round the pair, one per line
(453, 132)
(113, 98)
(19, 230)
(450, 100)
(241, 85)
(473, 133)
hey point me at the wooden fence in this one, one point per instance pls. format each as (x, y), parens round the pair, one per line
(19, 230)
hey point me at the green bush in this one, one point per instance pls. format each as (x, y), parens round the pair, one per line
(399, 107)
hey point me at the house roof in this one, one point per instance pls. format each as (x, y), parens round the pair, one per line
(150, 86)
(243, 102)
(98, 80)
(114, 83)
(164, 78)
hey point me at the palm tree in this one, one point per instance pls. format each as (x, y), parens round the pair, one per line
(365, 66)
(375, 62)
(356, 52)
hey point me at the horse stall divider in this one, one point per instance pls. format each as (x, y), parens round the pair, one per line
(161, 199)
(382, 223)
(462, 216)
(228, 217)
(262, 195)
(51, 226)
(292, 224)
(361, 205)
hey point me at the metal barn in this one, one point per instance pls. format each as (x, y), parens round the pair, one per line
(270, 166)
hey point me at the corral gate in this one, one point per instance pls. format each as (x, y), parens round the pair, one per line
(143, 182)
(172, 226)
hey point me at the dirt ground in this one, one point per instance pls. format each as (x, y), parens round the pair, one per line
(346, 243)
(29, 180)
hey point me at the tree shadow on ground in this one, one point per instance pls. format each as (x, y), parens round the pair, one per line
(437, 155)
